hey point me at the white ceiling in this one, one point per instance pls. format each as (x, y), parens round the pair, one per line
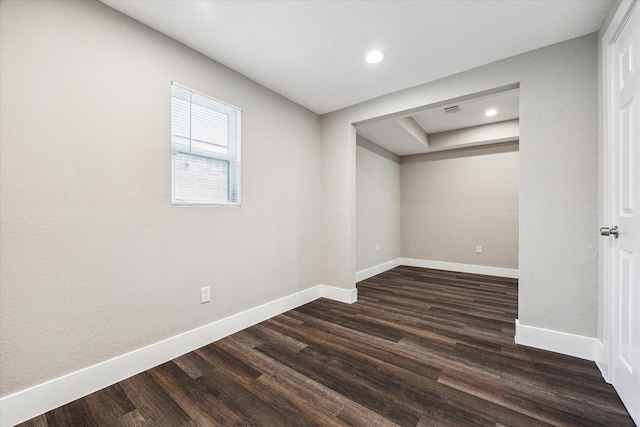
(507, 105)
(391, 134)
(312, 51)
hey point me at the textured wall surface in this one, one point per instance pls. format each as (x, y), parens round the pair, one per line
(95, 262)
(377, 205)
(453, 201)
(558, 177)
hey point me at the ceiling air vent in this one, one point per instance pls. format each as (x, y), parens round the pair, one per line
(451, 110)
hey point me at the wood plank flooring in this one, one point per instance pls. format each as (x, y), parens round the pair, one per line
(419, 348)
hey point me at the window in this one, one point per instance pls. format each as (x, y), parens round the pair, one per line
(205, 146)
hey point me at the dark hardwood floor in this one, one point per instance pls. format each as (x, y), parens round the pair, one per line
(419, 348)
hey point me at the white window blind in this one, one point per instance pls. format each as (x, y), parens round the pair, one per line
(205, 142)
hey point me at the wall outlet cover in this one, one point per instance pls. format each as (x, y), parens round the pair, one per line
(205, 294)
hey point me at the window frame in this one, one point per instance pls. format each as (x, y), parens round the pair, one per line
(233, 158)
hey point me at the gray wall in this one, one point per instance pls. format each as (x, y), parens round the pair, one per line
(558, 178)
(453, 201)
(95, 261)
(377, 204)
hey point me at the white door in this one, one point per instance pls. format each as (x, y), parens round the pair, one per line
(624, 178)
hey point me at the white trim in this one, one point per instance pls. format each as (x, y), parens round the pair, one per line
(602, 360)
(462, 268)
(348, 296)
(377, 269)
(559, 342)
(26, 404)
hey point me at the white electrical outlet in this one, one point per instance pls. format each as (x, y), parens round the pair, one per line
(478, 249)
(205, 294)
(377, 246)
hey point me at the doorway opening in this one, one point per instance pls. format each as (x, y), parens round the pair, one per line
(438, 186)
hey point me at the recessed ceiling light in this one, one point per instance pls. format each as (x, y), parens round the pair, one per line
(490, 113)
(374, 56)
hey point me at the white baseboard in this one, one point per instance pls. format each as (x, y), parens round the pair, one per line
(377, 269)
(348, 296)
(602, 361)
(462, 268)
(26, 404)
(559, 342)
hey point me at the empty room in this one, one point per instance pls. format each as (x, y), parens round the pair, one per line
(296, 213)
